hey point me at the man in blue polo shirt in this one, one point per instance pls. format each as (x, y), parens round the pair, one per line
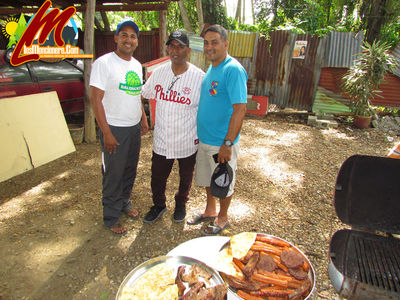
(220, 116)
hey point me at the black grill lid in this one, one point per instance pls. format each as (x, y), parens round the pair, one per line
(367, 193)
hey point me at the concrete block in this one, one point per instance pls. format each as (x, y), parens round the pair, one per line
(312, 120)
(327, 124)
(328, 117)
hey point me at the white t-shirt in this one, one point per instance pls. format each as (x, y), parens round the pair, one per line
(121, 82)
(177, 97)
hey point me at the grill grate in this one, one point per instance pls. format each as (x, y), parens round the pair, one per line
(378, 264)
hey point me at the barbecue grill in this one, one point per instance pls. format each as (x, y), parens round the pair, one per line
(365, 260)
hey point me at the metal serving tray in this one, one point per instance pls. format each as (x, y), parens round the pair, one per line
(174, 262)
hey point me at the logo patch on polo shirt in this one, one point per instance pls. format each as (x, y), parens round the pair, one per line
(213, 90)
(132, 85)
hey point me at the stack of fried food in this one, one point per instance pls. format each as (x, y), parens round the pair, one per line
(265, 267)
(198, 279)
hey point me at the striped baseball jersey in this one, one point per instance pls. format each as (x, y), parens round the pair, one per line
(177, 101)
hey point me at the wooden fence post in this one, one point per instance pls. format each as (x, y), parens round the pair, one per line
(90, 125)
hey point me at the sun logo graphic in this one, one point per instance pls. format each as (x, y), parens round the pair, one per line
(13, 28)
(132, 85)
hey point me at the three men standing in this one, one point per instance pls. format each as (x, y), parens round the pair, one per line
(217, 105)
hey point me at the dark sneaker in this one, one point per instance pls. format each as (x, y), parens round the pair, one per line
(154, 213)
(179, 213)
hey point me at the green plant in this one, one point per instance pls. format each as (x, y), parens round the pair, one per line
(362, 80)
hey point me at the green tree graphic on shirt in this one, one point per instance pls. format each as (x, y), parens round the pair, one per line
(132, 85)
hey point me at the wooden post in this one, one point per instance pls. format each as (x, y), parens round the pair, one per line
(90, 125)
(163, 32)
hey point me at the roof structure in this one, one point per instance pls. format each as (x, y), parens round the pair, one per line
(8, 7)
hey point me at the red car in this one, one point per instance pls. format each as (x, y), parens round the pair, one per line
(64, 77)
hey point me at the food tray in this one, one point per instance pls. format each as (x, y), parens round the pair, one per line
(311, 272)
(174, 262)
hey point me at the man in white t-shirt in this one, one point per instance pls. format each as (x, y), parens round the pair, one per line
(115, 84)
(176, 88)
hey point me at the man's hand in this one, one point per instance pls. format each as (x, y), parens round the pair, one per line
(145, 126)
(224, 154)
(110, 143)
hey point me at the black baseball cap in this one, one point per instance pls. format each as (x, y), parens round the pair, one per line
(179, 36)
(128, 23)
(221, 180)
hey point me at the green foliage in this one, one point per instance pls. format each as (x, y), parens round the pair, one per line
(235, 25)
(322, 16)
(215, 13)
(383, 110)
(362, 80)
(391, 34)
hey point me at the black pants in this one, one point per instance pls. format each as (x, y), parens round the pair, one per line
(119, 172)
(161, 168)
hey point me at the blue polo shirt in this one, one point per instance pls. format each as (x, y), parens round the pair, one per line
(223, 86)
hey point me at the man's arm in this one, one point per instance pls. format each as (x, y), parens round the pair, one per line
(96, 97)
(144, 123)
(235, 124)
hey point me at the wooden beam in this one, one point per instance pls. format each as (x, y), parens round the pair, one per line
(129, 7)
(163, 32)
(82, 8)
(90, 125)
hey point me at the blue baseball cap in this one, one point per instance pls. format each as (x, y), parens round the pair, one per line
(128, 23)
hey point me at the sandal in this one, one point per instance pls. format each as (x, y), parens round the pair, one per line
(198, 218)
(132, 213)
(117, 228)
(214, 229)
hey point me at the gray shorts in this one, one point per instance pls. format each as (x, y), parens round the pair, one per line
(205, 165)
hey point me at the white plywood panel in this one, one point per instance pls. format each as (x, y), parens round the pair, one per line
(33, 132)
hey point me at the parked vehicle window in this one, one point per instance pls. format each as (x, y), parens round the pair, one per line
(55, 71)
(19, 74)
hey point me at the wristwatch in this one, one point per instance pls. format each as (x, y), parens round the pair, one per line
(228, 143)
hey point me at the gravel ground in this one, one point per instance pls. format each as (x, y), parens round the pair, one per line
(54, 246)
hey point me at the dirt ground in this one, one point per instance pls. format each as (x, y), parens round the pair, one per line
(53, 244)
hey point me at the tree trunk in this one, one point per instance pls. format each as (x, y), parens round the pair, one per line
(200, 17)
(328, 10)
(274, 22)
(252, 12)
(90, 124)
(374, 23)
(163, 32)
(185, 17)
(105, 21)
(238, 16)
(244, 11)
(98, 24)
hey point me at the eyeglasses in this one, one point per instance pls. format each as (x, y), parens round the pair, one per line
(173, 83)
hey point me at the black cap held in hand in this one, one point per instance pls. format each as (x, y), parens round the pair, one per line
(221, 180)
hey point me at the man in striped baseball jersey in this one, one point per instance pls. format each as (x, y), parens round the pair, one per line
(176, 88)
